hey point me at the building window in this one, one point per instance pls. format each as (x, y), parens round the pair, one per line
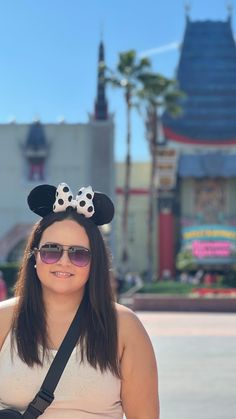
(36, 171)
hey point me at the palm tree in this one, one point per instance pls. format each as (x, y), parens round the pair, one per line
(126, 76)
(157, 94)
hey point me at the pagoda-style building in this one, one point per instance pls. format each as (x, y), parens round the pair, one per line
(197, 163)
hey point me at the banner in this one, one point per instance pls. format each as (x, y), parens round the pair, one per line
(213, 244)
(167, 160)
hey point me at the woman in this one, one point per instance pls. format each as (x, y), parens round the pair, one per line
(112, 371)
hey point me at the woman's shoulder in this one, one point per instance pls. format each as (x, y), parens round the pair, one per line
(123, 311)
(129, 325)
(6, 316)
(8, 306)
(135, 345)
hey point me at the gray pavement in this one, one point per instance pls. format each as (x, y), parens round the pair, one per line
(196, 355)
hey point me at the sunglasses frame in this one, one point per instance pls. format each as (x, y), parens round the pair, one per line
(61, 250)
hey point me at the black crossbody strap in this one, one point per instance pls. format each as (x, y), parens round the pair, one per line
(45, 396)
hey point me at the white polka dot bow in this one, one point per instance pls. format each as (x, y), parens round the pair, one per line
(83, 201)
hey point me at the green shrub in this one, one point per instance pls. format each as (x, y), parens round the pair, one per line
(167, 287)
(185, 260)
(230, 279)
(177, 288)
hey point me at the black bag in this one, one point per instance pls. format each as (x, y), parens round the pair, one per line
(45, 395)
(10, 414)
(43, 398)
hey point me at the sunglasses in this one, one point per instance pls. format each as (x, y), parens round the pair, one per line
(52, 253)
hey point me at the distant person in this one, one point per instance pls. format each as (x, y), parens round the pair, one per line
(208, 279)
(184, 277)
(198, 277)
(120, 283)
(3, 288)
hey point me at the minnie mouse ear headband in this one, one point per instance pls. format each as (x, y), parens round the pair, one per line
(97, 206)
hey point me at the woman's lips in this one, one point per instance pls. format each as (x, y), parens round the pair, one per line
(60, 274)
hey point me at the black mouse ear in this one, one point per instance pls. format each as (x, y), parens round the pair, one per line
(41, 199)
(104, 209)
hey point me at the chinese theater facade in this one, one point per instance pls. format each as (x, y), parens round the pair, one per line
(197, 161)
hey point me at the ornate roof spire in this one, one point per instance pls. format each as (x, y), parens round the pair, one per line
(230, 9)
(101, 112)
(187, 7)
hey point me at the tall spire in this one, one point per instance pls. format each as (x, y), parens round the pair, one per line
(101, 111)
(187, 7)
(230, 9)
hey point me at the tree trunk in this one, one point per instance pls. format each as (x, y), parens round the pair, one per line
(152, 115)
(126, 195)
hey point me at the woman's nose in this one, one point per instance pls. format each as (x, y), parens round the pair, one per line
(64, 259)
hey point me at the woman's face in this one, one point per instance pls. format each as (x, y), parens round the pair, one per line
(63, 277)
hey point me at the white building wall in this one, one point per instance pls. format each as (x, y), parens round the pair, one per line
(71, 159)
(138, 217)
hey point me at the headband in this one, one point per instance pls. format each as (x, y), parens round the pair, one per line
(45, 199)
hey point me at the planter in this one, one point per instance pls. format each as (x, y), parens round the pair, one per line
(191, 302)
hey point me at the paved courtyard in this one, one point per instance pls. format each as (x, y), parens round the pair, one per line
(196, 354)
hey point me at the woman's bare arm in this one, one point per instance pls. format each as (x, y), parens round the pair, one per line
(139, 390)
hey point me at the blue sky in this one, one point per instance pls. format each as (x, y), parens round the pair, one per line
(49, 54)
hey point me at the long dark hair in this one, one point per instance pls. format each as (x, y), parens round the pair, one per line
(98, 339)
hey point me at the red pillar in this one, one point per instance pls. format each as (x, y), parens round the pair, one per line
(166, 243)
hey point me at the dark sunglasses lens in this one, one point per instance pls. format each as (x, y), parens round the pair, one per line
(79, 257)
(50, 254)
